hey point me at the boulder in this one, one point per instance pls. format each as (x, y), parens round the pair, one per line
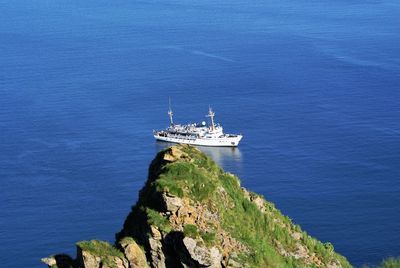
(202, 255)
(155, 233)
(134, 254)
(50, 261)
(157, 254)
(59, 261)
(88, 260)
(173, 154)
(171, 203)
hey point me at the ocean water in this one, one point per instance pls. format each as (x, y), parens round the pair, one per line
(314, 86)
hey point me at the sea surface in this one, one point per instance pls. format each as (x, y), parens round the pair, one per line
(314, 87)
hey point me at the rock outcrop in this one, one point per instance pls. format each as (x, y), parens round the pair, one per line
(191, 213)
(133, 253)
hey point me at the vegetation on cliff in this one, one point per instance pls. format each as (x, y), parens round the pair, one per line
(191, 213)
(390, 262)
(189, 194)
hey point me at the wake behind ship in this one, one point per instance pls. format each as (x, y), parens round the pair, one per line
(197, 134)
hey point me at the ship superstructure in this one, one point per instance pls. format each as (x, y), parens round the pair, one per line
(197, 134)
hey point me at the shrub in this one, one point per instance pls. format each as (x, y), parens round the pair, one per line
(207, 237)
(155, 218)
(190, 230)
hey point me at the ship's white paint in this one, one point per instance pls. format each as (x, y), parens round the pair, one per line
(198, 134)
(220, 142)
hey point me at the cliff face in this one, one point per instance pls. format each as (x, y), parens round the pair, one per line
(191, 213)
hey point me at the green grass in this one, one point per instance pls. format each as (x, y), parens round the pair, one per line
(155, 218)
(170, 186)
(100, 248)
(390, 262)
(208, 238)
(190, 230)
(197, 177)
(259, 231)
(185, 179)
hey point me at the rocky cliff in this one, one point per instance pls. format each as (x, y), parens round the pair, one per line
(191, 213)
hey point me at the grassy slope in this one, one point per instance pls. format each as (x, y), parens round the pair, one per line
(197, 177)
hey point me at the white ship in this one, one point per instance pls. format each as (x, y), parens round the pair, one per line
(197, 134)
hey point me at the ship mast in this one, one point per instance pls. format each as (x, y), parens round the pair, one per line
(170, 113)
(211, 114)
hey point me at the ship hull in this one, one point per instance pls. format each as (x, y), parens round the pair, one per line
(220, 142)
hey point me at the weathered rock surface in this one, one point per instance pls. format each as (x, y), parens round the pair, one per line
(134, 254)
(201, 254)
(190, 213)
(59, 261)
(156, 253)
(88, 260)
(99, 254)
(172, 203)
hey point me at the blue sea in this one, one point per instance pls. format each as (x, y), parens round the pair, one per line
(313, 85)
